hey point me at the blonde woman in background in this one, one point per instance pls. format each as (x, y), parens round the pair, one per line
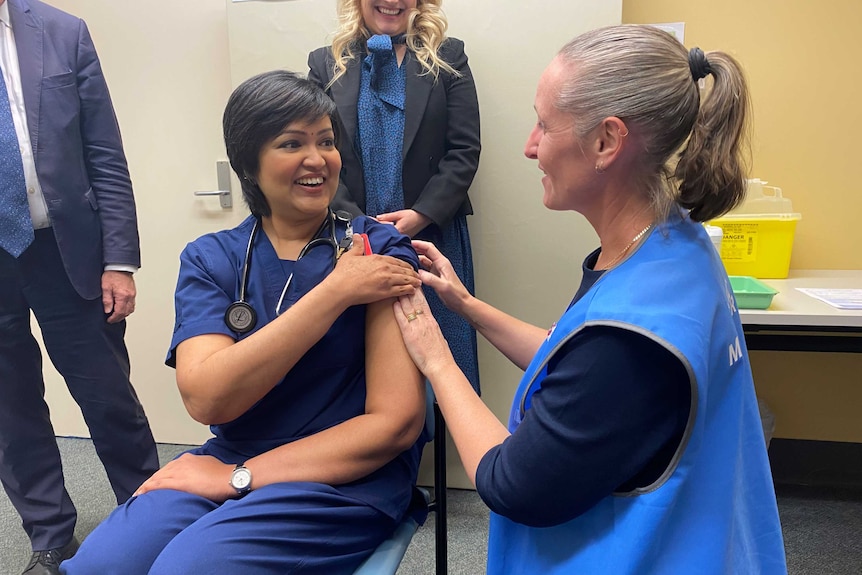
(406, 97)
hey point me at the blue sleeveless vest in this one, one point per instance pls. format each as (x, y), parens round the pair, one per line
(713, 510)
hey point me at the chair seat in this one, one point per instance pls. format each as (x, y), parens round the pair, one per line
(388, 554)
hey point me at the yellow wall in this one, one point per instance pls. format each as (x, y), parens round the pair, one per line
(802, 60)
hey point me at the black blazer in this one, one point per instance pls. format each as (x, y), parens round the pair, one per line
(441, 133)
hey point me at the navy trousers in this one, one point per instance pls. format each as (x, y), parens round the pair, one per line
(91, 356)
(298, 528)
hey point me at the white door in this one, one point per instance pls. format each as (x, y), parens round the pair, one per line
(168, 68)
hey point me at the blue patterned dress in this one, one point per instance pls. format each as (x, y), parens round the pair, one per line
(380, 137)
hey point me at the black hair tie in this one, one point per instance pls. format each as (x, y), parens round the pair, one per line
(698, 64)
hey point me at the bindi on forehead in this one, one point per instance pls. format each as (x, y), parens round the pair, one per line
(310, 129)
(307, 132)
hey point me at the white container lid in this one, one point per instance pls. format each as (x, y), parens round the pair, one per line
(762, 200)
(733, 216)
(714, 231)
(716, 234)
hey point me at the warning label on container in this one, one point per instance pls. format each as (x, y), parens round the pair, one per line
(739, 242)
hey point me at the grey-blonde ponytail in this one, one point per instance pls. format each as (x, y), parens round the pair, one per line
(711, 169)
(643, 76)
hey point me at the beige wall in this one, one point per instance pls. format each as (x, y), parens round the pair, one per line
(801, 59)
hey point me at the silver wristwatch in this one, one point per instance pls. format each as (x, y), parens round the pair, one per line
(240, 479)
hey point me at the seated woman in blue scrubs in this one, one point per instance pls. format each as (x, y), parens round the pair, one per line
(313, 401)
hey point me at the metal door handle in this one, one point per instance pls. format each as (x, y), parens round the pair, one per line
(224, 192)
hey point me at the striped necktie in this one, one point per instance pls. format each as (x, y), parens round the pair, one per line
(16, 227)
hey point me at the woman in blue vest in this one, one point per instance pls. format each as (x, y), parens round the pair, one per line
(285, 343)
(634, 444)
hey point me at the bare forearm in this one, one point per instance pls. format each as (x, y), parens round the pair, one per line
(393, 418)
(338, 455)
(227, 382)
(474, 428)
(515, 339)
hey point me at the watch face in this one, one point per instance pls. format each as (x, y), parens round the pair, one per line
(241, 478)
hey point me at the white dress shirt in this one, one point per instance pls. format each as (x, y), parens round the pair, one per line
(12, 77)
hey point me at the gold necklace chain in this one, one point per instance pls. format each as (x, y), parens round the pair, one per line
(625, 250)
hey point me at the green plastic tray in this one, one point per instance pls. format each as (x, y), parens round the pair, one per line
(751, 293)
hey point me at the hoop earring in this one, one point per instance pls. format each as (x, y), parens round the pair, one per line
(599, 169)
(624, 135)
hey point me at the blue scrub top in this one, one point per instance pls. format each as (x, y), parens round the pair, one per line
(327, 385)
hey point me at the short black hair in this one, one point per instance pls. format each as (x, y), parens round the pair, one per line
(257, 111)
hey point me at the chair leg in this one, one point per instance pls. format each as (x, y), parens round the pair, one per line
(440, 531)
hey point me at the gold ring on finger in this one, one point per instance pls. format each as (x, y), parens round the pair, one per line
(411, 316)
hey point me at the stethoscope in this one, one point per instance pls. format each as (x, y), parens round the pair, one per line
(240, 316)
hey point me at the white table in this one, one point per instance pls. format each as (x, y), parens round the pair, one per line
(798, 322)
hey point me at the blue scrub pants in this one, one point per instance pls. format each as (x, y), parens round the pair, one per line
(284, 528)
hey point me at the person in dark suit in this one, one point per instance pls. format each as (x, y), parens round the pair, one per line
(68, 248)
(406, 97)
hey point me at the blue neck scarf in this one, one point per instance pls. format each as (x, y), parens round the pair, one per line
(380, 135)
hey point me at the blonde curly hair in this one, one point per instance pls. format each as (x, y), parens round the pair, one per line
(426, 31)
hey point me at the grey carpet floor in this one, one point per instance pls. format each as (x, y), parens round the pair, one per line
(822, 529)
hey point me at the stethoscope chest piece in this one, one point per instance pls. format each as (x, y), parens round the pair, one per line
(240, 317)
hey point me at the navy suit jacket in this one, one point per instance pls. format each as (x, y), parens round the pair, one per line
(441, 144)
(76, 144)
